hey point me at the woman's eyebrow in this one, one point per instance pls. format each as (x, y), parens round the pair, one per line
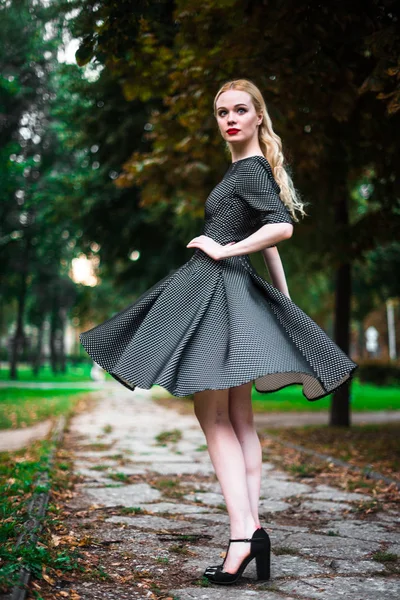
(240, 104)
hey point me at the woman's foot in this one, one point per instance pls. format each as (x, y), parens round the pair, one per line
(238, 551)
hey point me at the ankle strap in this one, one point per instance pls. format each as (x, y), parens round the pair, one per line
(242, 540)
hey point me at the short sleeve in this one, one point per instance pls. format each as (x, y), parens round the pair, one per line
(256, 185)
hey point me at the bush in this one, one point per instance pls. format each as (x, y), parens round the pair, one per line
(379, 372)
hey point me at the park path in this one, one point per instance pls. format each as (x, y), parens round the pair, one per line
(16, 439)
(156, 518)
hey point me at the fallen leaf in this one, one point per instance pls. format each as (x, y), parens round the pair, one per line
(48, 579)
(55, 540)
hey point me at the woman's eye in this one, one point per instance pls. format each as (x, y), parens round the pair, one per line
(222, 113)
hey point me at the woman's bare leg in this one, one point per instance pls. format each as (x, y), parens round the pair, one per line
(211, 407)
(242, 419)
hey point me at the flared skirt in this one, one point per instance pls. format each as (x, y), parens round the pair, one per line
(214, 325)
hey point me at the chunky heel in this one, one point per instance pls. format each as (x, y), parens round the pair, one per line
(263, 565)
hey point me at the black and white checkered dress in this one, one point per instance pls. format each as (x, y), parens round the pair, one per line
(217, 324)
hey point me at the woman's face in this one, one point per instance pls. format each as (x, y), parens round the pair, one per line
(236, 117)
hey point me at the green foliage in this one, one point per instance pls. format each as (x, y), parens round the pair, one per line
(280, 550)
(24, 407)
(382, 556)
(119, 477)
(73, 373)
(379, 373)
(166, 437)
(364, 397)
(18, 480)
(128, 510)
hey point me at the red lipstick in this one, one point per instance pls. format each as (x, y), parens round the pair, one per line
(232, 131)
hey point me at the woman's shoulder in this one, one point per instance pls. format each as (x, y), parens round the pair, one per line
(255, 171)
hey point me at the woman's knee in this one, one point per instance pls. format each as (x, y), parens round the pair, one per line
(212, 409)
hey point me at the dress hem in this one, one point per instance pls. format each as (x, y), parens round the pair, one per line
(176, 394)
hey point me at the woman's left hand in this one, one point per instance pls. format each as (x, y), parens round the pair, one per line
(209, 246)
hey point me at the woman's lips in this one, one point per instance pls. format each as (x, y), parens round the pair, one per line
(232, 131)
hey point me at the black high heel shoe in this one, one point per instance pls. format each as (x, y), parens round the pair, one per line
(260, 549)
(261, 531)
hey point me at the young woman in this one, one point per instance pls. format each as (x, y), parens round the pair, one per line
(214, 325)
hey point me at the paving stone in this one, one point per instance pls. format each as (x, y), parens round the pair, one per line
(273, 488)
(193, 593)
(355, 567)
(179, 468)
(325, 506)
(156, 523)
(325, 492)
(126, 495)
(208, 498)
(291, 566)
(93, 476)
(312, 545)
(394, 549)
(272, 506)
(359, 588)
(212, 515)
(203, 486)
(360, 530)
(176, 508)
(266, 466)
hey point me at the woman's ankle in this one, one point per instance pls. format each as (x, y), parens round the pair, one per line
(242, 530)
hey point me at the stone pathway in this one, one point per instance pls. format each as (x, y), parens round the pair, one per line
(15, 439)
(161, 516)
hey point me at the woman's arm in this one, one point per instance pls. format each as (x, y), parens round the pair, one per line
(268, 234)
(274, 265)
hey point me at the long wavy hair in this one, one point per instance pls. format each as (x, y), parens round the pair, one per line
(270, 144)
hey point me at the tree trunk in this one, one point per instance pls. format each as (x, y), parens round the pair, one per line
(18, 339)
(53, 337)
(37, 359)
(63, 321)
(361, 340)
(340, 405)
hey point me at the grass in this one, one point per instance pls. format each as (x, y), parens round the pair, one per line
(22, 407)
(18, 474)
(80, 372)
(280, 550)
(374, 446)
(123, 477)
(382, 556)
(129, 510)
(305, 470)
(165, 437)
(364, 397)
(170, 488)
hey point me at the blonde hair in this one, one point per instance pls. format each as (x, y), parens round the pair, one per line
(270, 143)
